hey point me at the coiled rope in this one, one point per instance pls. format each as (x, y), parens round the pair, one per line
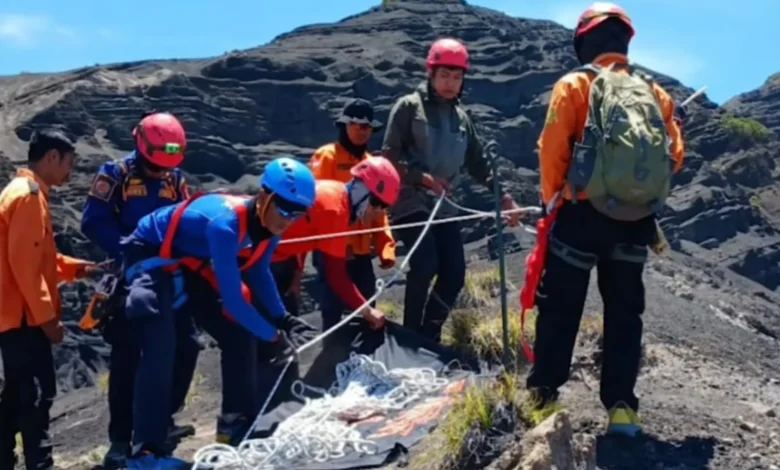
(326, 428)
(313, 434)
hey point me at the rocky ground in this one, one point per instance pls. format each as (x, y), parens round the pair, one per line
(710, 385)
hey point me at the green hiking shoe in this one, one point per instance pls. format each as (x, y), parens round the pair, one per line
(624, 421)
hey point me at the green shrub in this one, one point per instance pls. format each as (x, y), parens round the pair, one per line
(746, 128)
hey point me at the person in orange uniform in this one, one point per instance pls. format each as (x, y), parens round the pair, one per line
(584, 233)
(374, 188)
(335, 162)
(30, 304)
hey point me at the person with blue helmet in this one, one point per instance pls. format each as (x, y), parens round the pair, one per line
(122, 192)
(209, 258)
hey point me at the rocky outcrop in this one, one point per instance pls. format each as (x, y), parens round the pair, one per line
(242, 108)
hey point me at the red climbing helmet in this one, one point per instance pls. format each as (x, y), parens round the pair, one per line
(161, 140)
(380, 177)
(448, 52)
(598, 13)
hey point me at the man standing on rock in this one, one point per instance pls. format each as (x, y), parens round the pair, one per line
(430, 138)
(191, 260)
(603, 188)
(335, 162)
(122, 193)
(31, 313)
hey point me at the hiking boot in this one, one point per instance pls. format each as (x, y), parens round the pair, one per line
(177, 433)
(540, 414)
(149, 461)
(116, 456)
(231, 429)
(623, 421)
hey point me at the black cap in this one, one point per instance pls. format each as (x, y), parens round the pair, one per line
(359, 111)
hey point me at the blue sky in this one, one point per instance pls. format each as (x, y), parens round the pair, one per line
(724, 44)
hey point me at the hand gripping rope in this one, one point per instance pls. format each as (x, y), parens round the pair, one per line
(355, 378)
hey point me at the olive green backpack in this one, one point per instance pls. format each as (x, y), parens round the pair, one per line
(623, 163)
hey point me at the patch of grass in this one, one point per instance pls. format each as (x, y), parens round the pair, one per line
(475, 412)
(480, 288)
(481, 335)
(392, 310)
(746, 128)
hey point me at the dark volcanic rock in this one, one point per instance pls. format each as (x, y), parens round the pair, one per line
(242, 108)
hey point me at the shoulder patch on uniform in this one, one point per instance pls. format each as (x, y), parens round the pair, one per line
(103, 187)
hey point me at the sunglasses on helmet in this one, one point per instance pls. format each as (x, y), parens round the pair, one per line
(288, 209)
(376, 202)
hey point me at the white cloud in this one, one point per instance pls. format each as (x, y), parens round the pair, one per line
(30, 30)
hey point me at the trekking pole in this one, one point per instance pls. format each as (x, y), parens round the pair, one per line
(491, 149)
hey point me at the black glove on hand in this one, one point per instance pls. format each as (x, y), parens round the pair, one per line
(297, 331)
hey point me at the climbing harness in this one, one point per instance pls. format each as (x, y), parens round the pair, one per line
(172, 265)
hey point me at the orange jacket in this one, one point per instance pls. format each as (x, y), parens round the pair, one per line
(30, 267)
(334, 162)
(565, 123)
(329, 214)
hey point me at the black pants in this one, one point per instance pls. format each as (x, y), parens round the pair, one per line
(440, 254)
(27, 396)
(123, 364)
(582, 238)
(360, 271)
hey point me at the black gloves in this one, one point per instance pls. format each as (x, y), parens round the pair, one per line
(297, 331)
(293, 333)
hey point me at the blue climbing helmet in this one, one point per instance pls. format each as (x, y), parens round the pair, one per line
(290, 180)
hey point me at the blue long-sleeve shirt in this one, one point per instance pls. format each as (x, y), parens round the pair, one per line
(120, 195)
(209, 230)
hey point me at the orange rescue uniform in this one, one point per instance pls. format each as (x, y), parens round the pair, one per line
(565, 124)
(334, 162)
(30, 267)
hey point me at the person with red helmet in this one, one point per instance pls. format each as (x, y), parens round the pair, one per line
(121, 194)
(605, 218)
(430, 138)
(373, 188)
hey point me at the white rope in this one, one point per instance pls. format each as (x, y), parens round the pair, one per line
(472, 214)
(326, 428)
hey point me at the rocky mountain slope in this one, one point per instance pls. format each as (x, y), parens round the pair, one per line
(244, 107)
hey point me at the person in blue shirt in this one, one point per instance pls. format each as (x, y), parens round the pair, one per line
(122, 192)
(210, 258)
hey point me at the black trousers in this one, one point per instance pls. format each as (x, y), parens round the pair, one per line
(440, 255)
(581, 239)
(27, 396)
